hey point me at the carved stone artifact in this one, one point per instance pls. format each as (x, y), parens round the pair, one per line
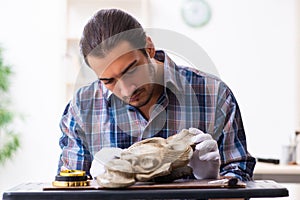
(149, 159)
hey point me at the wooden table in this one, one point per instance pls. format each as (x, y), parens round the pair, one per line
(252, 189)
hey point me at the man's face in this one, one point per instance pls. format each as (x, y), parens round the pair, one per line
(126, 72)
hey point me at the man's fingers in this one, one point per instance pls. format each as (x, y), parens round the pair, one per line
(206, 146)
(201, 137)
(210, 156)
(195, 131)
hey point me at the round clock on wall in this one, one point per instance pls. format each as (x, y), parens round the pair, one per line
(195, 13)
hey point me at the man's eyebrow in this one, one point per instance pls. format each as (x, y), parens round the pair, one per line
(122, 73)
(128, 67)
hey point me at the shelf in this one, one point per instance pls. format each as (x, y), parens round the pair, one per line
(264, 168)
(280, 173)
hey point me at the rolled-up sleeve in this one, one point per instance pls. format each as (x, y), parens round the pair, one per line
(235, 158)
(75, 153)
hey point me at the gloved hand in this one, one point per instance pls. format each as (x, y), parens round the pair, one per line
(206, 158)
(96, 168)
(101, 158)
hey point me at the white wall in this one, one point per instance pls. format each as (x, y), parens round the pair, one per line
(31, 33)
(252, 43)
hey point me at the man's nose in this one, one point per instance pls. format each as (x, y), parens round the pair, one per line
(125, 87)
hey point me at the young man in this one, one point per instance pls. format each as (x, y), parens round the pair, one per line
(142, 93)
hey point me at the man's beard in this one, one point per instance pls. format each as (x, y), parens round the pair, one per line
(148, 96)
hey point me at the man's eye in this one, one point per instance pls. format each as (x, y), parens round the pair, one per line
(106, 82)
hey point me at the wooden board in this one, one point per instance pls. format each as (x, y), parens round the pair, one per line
(179, 184)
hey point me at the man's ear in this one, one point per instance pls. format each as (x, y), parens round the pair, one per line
(150, 47)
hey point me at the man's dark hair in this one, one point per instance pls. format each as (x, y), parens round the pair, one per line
(106, 29)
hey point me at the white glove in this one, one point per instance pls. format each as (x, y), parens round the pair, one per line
(101, 158)
(206, 158)
(96, 168)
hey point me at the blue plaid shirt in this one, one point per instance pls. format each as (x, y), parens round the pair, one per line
(96, 118)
